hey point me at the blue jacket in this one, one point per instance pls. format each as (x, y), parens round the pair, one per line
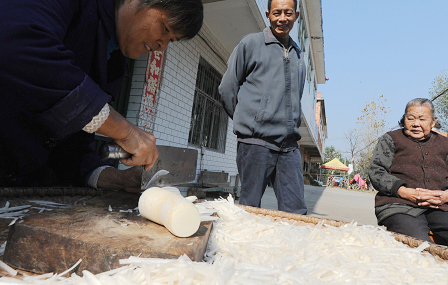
(55, 77)
(262, 88)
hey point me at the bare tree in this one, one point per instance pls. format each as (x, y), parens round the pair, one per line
(353, 139)
(440, 86)
(372, 125)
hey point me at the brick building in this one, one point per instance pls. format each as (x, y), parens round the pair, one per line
(174, 94)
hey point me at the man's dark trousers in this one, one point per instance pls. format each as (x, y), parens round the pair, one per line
(257, 165)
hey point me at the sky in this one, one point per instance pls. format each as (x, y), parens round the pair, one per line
(394, 48)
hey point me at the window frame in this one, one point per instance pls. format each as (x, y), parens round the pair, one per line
(209, 121)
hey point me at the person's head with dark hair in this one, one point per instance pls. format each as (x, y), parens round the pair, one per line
(282, 15)
(149, 25)
(270, 5)
(419, 118)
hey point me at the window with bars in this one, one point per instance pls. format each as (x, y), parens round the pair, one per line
(208, 127)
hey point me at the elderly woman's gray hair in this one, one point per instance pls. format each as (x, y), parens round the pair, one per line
(418, 102)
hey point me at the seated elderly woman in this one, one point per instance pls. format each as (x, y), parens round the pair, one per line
(409, 170)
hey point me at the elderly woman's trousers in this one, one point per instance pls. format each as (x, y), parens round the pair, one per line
(419, 227)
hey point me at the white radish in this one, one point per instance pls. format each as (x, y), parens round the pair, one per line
(172, 189)
(173, 211)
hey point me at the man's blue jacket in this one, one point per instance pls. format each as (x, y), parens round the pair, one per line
(262, 89)
(54, 77)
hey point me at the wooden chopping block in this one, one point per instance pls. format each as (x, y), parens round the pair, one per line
(53, 241)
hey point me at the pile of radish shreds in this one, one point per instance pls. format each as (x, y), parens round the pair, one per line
(248, 249)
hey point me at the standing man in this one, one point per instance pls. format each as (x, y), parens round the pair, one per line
(261, 91)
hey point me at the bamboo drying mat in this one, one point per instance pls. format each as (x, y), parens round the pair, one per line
(440, 251)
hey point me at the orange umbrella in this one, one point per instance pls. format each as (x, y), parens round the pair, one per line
(335, 164)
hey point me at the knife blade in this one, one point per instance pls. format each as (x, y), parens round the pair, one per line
(154, 181)
(180, 163)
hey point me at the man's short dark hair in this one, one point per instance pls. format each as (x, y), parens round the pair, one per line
(270, 2)
(185, 16)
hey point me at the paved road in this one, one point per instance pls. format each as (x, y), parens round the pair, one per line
(333, 203)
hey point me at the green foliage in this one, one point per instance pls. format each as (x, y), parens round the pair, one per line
(439, 85)
(331, 152)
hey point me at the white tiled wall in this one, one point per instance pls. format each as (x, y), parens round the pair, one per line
(176, 96)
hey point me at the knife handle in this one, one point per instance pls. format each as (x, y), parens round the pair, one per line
(112, 151)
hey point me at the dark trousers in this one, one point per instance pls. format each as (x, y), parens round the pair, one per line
(419, 227)
(258, 165)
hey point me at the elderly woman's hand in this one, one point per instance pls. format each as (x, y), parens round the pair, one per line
(431, 198)
(410, 194)
(424, 197)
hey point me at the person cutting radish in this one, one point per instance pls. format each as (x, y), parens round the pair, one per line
(62, 64)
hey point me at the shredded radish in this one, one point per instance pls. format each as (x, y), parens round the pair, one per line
(8, 269)
(192, 199)
(49, 204)
(247, 249)
(13, 213)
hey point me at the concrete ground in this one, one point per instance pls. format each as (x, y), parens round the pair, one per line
(333, 203)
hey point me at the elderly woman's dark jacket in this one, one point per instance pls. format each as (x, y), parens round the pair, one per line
(54, 77)
(399, 161)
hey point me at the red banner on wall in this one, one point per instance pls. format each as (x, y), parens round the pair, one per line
(153, 77)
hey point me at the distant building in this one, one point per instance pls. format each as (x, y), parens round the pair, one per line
(175, 94)
(321, 121)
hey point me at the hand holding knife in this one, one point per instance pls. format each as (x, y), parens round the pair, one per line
(174, 165)
(112, 151)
